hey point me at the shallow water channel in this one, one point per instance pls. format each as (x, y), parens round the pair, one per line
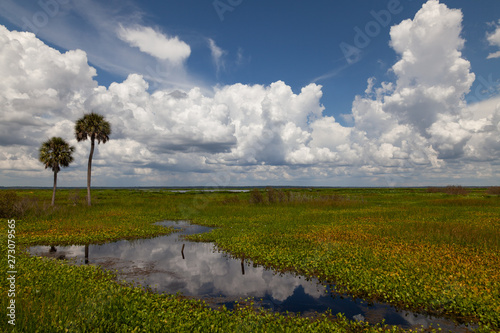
(170, 264)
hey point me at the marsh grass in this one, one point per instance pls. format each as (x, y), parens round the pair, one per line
(272, 196)
(429, 252)
(424, 251)
(55, 297)
(450, 189)
(493, 190)
(13, 205)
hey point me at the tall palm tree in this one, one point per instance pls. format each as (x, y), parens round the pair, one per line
(94, 127)
(55, 153)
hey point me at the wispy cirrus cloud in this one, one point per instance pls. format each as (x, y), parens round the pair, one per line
(113, 36)
(155, 43)
(494, 40)
(217, 55)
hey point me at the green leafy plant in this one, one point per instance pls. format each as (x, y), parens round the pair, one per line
(436, 254)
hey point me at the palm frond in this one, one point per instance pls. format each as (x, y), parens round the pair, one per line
(56, 153)
(93, 126)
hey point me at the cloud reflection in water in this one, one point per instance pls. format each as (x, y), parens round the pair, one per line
(169, 264)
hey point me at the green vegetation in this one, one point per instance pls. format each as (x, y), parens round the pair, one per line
(419, 249)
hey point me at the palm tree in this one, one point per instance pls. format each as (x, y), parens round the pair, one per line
(55, 153)
(95, 127)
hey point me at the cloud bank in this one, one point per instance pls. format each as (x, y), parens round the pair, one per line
(416, 130)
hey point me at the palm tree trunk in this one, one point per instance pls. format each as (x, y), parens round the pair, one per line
(89, 169)
(54, 190)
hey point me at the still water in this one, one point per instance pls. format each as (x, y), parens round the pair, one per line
(170, 264)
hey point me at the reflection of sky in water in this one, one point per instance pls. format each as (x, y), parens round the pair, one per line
(203, 272)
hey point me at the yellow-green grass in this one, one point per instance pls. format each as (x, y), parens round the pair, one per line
(427, 252)
(430, 252)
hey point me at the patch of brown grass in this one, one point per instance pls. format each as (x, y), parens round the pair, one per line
(450, 189)
(494, 190)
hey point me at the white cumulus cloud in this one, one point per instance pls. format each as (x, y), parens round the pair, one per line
(407, 132)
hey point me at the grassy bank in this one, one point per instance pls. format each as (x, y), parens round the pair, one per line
(419, 249)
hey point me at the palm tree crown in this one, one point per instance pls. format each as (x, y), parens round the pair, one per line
(92, 126)
(56, 153)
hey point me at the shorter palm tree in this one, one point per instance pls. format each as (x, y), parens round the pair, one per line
(55, 153)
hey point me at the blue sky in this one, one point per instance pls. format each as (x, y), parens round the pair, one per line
(296, 42)
(244, 57)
